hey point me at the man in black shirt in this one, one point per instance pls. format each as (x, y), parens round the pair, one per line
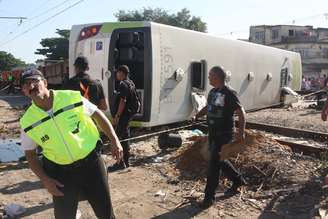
(121, 114)
(222, 103)
(89, 88)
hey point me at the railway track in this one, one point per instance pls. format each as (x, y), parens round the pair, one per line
(289, 132)
(306, 149)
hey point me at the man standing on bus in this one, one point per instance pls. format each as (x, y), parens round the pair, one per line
(222, 103)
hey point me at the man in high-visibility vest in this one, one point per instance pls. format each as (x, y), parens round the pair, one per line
(60, 122)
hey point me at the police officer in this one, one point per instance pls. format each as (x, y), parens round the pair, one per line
(121, 113)
(89, 88)
(222, 103)
(60, 122)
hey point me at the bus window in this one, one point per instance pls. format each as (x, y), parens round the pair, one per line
(284, 77)
(198, 70)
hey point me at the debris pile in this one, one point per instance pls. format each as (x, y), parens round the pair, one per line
(265, 163)
(190, 159)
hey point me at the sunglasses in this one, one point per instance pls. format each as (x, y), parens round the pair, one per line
(30, 82)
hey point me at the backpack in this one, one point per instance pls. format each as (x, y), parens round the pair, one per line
(87, 87)
(91, 90)
(84, 90)
(134, 106)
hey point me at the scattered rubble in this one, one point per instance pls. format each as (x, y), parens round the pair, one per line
(10, 150)
(277, 178)
(13, 210)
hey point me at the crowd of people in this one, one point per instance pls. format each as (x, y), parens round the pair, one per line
(314, 84)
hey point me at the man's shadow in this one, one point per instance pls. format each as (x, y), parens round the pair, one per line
(185, 212)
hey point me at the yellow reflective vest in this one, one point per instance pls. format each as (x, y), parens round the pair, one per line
(66, 134)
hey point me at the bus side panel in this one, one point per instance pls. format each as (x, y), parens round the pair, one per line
(179, 48)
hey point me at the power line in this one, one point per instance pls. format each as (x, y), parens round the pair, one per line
(283, 23)
(306, 18)
(42, 13)
(50, 9)
(42, 22)
(40, 6)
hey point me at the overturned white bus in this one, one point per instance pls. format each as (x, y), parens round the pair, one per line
(168, 63)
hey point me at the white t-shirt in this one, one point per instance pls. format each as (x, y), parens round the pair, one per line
(28, 144)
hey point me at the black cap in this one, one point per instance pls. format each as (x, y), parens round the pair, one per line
(31, 74)
(124, 68)
(81, 62)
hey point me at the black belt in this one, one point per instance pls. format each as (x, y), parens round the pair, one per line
(92, 156)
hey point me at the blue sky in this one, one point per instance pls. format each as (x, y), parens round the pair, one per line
(222, 17)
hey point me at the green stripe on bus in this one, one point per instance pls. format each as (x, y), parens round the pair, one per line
(132, 123)
(110, 26)
(135, 124)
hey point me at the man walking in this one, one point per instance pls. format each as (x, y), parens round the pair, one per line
(222, 103)
(122, 113)
(60, 122)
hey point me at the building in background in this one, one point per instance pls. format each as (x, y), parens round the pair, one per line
(311, 43)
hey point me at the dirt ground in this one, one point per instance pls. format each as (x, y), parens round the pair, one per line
(297, 117)
(159, 185)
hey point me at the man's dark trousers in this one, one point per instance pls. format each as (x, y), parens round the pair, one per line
(123, 132)
(215, 166)
(90, 179)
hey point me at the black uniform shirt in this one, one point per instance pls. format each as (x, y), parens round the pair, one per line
(96, 92)
(122, 92)
(222, 104)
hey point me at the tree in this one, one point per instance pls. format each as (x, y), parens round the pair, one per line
(55, 48)
(182, 18)
(8, 61)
